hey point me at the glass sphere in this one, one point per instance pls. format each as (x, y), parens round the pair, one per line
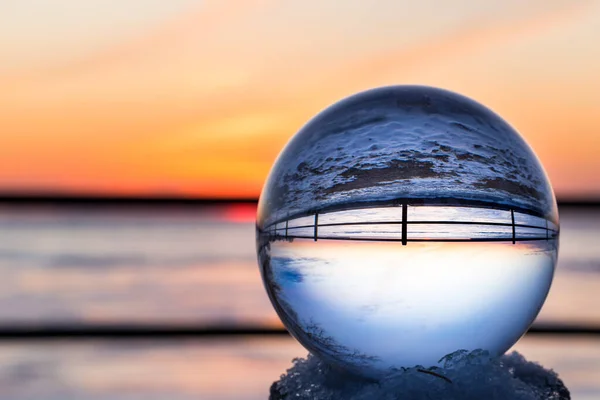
(405, 223)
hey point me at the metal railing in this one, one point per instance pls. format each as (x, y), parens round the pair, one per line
(290, 232)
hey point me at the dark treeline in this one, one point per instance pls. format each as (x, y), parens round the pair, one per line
(44, 199)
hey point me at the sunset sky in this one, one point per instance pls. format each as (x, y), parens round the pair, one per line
(197, 98)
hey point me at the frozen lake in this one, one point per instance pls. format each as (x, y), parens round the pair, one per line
(198, 266)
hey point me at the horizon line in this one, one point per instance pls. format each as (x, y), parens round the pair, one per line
(99, 199)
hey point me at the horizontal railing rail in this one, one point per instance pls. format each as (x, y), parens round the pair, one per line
(399, 202)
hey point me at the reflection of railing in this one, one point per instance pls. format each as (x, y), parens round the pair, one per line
(288, 232)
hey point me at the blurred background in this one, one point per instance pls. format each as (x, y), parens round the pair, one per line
(136, 136)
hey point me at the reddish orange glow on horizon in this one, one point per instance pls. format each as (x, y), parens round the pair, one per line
(240, 213)
(189, 98)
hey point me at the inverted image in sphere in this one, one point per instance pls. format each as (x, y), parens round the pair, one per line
(402, 224)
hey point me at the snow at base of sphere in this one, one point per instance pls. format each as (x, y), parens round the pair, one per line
(464, 376)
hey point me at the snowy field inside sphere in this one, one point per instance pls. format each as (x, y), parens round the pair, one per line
(376, 307)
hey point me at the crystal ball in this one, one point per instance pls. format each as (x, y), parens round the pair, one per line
(402, 224)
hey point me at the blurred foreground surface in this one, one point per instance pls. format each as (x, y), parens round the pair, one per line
(215, 369)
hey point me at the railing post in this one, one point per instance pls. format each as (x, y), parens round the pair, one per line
(512, 217)
(316, 225)
(286, 228)
(404, 223)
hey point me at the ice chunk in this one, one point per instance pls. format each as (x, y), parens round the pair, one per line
(464, 376)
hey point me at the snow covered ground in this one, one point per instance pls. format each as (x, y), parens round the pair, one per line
(465, 376)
